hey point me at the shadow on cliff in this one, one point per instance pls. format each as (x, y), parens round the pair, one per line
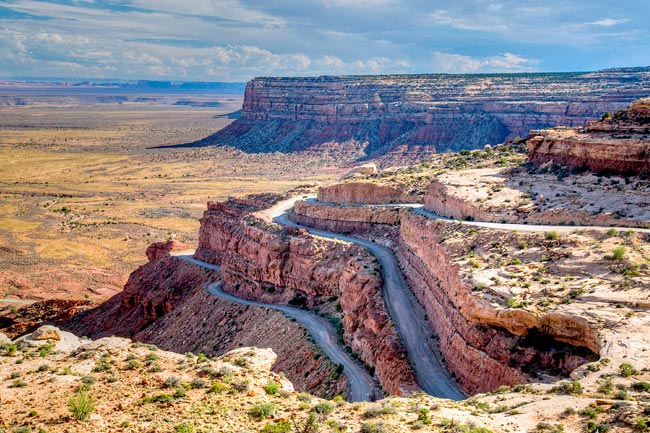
(357, 140)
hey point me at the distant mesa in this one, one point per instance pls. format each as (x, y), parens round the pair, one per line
(400, 118)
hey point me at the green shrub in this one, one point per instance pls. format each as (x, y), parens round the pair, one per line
(618, 253)
(184, 428)
(272, 387)
(641, 386)
(323, 409)
(45, 349)
(81, 405)
(217, 388)
(627, 370)
(283, 426)
(171, 382)
(373, 428)
(552, 235)
(612, 232)
(198, 383)
(10, 349)
(261, 411)
(423, 416)
(242, 362)
(18, 384)
(304, 397)
(515, 302)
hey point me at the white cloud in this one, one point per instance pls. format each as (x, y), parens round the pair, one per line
(458, 63)
(608, 22)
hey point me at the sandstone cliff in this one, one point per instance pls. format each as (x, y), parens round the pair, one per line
(264, 262)
(164, 302)
(411, 116)
(614, 144)
(364, 192)
(483, 346)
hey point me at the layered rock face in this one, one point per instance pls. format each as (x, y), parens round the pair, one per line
(363, 192)
(614, 144)
(414, 115)
(344, 219)
(267, 263)
(475, 338)
(165, 303)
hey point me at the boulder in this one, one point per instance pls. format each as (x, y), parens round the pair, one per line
(47, 332)
(4, 339)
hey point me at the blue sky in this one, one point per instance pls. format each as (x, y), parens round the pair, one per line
(235, 40)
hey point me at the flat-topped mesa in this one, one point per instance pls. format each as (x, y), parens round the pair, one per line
(413, 115)
(614, 144)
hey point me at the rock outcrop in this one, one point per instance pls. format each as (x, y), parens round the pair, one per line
(265, 262)
(409, 116)
(47, 332)
(158, 250)
(364, 192)
(344, 219)
(617, 143)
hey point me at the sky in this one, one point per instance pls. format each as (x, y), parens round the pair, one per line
(236, 40)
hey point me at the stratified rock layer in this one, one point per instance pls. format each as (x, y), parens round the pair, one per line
(265, 262)
(409, 116)
(615, 144)
(475, 338)
(364, 192)
(165, 303)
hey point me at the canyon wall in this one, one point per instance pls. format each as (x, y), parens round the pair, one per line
(267, 263)
(615, 144)
(165, 303)
(475, 338)
(364, 192)
(344, 219)
(410, 116)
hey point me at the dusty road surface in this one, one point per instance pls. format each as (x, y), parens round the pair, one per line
(362, 385)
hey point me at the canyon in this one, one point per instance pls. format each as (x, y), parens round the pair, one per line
(397, 119)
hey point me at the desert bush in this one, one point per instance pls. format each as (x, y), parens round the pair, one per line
(627, 370)
(323, 409)
(217, 388)
(552, 235)
(261, 411)
(81, 405)
(184, 428)
(272, 387)
(373, 428)
(282, 426)
(198, 383)
(618, 253)
(171, 382)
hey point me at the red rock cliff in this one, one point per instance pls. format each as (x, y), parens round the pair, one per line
(615, 144)
(420, 114)
(475, 338)
(265, 262)
(164, 302)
